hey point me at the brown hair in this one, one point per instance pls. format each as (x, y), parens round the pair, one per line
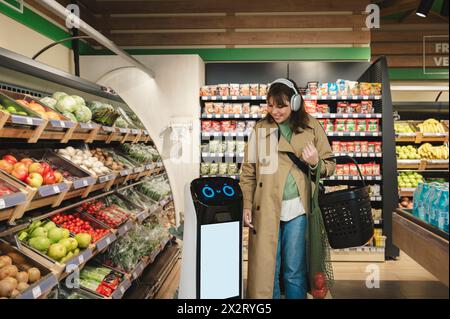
(281, 93)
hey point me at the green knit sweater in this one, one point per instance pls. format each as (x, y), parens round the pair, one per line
(290, 187)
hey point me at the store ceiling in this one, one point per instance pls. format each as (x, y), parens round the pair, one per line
(264, 23)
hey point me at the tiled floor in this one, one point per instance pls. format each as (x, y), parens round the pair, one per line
(399, 279)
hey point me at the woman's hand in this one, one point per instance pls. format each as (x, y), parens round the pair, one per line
(310, 155)
(248, 218)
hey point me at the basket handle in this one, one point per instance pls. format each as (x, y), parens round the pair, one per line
(354, 161)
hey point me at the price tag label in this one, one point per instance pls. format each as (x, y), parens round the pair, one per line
(254, 116)
(340, 178)
(365, 97)
(355, 116)
(362, 134)
(236, 116)
(122, 290)
(108, 240)
(81, 259)
(225, 116)
(135, 275)
(340, 134)
(332, 116)
(334, 97)
(253, 98)
(209, 116)
(2, 204)
(204, 98)
(29, 120)
(125, 228)
(234, 98)
(344, 97)
(246, 116)
(240, 134)
(359, 249)
(355, 97)
(377, 97)
(217, 116)
(371, 154)
(63, 124)
(213, 98)
(224, 98)
(215, 134)
(56, 189)
(352, 134)
(36, 292)
(358, 155)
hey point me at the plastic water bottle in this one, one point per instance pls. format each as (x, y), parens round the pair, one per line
(421, 202)
(434, 205)
(443, 211)
(416, 199)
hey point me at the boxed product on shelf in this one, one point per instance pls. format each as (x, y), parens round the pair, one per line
(223, 89)
(263, 109)
(78, 223)
(227, 108)
(214, 168)
(255, 109)
(361, 125)
(240, 146)
(232, 169)
(246, 108)
(231, 146)
(375, 190)
(23, 277)
(218, 108)
(353, 87)
(254, 89)
(373, 125)
(223, 168)
(312, 88)
(310, 106)
(340, 125)
(332, 89)
(431, 204)
(263, 89)
(350, 125)
(204, 168)
(234, 89)
(204, 91)
(237, 109)
(322, 108)
(209, 108)
(100, 280)
(241, 126)
(323, 88)
(245, 90)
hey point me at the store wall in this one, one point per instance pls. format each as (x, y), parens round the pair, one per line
(18, 38)
(171, 97)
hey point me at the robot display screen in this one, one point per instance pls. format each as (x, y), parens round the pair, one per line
(216, 191)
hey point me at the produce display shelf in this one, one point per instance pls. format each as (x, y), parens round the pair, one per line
(233, 98)
(225, 134)
(352, 178)
(227, 155)
(231, 116)
(371, 155)
(359, 254)
(419, 138)
(406, 192)
(226, 175)
(347, 116)
(423, 164)
(376, 198)
(341, 97)
(354, 134)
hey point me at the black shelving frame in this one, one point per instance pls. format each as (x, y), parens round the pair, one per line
(304, 72)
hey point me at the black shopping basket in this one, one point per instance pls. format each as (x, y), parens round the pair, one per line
(347, 214)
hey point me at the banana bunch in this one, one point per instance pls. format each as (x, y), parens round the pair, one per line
(428, 151)
(431, 126)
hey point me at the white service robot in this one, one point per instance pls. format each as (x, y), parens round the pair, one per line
(212, 243)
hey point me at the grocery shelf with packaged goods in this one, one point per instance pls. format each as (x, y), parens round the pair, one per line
(354, 122)
(79, 176)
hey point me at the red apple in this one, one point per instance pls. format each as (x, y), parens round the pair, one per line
(49, 178)
(320, 293)
(58, 176)
(319, 280)
(34, 180)
(6, 166)
(27, 161)
(21, 173)
(47, 168)
(10, 159)
(19, 166)
(36, 168)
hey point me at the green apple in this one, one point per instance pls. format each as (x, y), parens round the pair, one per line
(49, 225)
(66, 233)
(57, 251)
(55, 234)
(83, 239)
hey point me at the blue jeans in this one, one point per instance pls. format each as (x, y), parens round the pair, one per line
(291, 256)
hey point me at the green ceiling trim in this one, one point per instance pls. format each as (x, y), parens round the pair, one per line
(412, 74)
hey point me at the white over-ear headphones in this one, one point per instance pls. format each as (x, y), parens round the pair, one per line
(296, 99)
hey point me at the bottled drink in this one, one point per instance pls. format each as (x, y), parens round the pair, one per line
(421, 202)
(434, 206)
(416, 199)
(443, 211)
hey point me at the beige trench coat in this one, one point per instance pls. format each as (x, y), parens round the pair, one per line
(263, 188)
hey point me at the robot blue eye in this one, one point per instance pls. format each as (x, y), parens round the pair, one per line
(228, 191)
(208, 192)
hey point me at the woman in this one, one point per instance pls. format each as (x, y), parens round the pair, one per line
(276, 201)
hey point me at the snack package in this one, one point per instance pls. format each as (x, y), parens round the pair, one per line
(214, 168)
(263, 89)
(234, 89)
(353, 170)
(322, 122)
(240, 146)
(214, 146)
(344, 147)
(378, 148)
(353, 87)
(336, 146)
(245, 89)
(351, 147)
(350, 126)
(237, 108)
(209, 108)
(227, 108)
(322, 108)
(254, 89)
(223, 89)
(232, 169)
(240, 126)
(204, 91)
(365, 88)
(206, 126)
(246, 108)
(375, 189)
(231, 146)
(313, 88)
(357, 145)
(340, 126)
(222, 147)
(361, 125)
(364, 147)
(310, 106)
(204, 168)
(255, 109)
(366, 107)
(371, 147)
(368, 168)
(250, 126)
(218, 108)
(323, 89)
(346, 169)
(332, 89)
(352, 107)
(213, 91)
(342, 107)
(329, 126)
(339, 170)
(204, 148)
(376, 170)
(223, 168)
(342, 87)
(357, 107)
(216, 126)
(376, 88)
(373, 125)
(263, 109)
(362, 168)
